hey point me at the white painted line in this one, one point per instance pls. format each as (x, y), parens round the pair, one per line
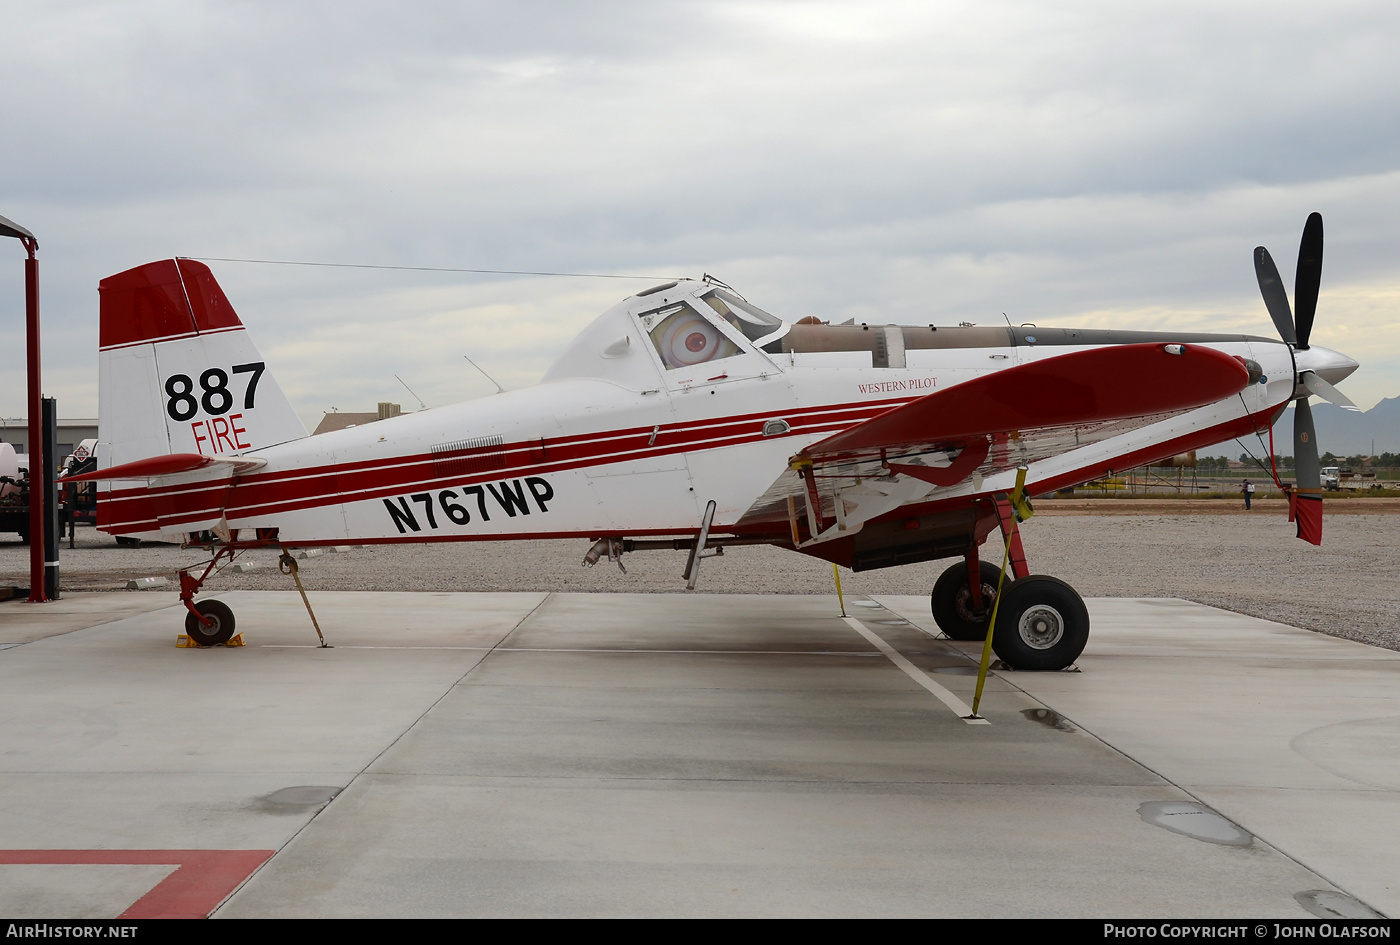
(348, 646)
(528, 649)
(542, 649)
(962, 709)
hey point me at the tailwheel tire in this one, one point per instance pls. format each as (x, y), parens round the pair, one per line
(1042, 624)
(220, 630)
(128, 541)
(952, 601)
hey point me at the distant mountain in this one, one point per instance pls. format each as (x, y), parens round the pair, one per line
(1339, 431)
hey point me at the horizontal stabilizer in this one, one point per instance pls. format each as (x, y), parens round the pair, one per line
(169, 464)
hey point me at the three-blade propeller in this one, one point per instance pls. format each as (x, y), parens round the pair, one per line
(1295, 332)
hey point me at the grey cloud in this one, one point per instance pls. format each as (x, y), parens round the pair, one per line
(891, 160)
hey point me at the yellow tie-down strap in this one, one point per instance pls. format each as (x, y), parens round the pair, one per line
(1018, 501)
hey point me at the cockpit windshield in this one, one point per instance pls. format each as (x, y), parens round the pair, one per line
(755, 323)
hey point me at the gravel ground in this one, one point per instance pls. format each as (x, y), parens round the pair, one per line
(1214, 553)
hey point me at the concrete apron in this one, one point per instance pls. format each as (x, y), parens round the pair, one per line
(593, 754)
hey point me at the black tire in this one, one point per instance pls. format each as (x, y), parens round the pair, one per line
(24, 535)
(128, 541)
(952, 601)
(220, 631)
(1042, 624)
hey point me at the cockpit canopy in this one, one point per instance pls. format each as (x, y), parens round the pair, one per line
(685, 323)
(685, 335)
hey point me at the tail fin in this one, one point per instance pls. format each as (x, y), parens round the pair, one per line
(177, 372)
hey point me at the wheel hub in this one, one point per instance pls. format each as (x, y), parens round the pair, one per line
(1041, 626)
(963, 603)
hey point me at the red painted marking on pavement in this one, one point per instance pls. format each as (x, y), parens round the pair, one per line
(202, 878)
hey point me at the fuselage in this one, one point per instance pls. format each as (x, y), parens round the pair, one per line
(669, 401)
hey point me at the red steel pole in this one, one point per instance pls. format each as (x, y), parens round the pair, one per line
(37, 459)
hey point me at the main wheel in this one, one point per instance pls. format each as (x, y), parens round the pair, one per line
(952, 601)
(1042, 623)
(220, 630)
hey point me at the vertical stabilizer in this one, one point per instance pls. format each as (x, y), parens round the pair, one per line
(177, 372)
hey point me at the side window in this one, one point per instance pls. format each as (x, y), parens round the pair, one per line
(683, 337)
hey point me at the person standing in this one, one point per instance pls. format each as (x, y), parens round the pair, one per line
(1248, 490)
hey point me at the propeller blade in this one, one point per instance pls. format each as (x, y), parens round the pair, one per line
(1305, 461)
(1309, 277)
(1275, 298)
(1307, 498)
(1320, 388)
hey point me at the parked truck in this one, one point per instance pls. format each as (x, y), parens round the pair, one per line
(77, 502)
(14, 492)
(1337, 478)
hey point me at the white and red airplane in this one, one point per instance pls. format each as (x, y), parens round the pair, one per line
(685, 417)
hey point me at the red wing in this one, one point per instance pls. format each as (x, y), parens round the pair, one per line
(1086, 387)
(992, 424)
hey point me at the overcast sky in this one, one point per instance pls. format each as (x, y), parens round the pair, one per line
(1094, 164)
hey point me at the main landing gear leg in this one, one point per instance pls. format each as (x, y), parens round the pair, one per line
(1041, 622)
(1038, 622)
(1006, 514)
(977, 601)
(962, 603)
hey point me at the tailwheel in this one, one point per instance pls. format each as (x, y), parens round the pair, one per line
(1042, 624)
(952, 601)
(218, 630)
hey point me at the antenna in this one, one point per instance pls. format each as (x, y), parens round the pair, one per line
(715, 280)
(499, 388)
(421, 405)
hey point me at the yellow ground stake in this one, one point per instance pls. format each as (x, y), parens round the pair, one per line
(1016, 497)
(839, 599)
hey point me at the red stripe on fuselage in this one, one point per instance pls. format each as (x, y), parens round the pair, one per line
(1240, 426)
(135, 509)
